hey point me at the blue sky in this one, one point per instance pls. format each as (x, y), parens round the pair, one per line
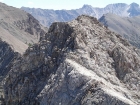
(63, 4)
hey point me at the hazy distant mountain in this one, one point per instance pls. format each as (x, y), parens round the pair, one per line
(128, 27)
(47, 16)
(19, 28)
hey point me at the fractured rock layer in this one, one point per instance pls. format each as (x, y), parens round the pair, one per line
(78, 62)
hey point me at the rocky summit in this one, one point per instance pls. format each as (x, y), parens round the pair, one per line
(76, 63)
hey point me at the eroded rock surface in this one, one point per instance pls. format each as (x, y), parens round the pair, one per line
(78, 62)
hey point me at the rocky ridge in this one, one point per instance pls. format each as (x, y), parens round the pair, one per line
(78, 62)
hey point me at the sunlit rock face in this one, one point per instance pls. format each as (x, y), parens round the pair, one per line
(76, 63)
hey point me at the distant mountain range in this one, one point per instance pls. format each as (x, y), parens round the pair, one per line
(128, 27)
(48, 16)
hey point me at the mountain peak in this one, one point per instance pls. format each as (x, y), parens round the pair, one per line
(134, 9)
(117, 5)
(88, 18)
(85, 6)
(85, 16)
(134, 4)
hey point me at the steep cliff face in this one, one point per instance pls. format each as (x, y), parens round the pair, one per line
(78, 62)
(7, 55)
(19, 28)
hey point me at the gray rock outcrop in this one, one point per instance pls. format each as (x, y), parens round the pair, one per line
(77, 63)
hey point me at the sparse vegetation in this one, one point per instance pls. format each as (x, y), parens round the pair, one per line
(29, 44)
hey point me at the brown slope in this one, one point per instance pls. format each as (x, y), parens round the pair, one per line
(19, 28)
(129, 28)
